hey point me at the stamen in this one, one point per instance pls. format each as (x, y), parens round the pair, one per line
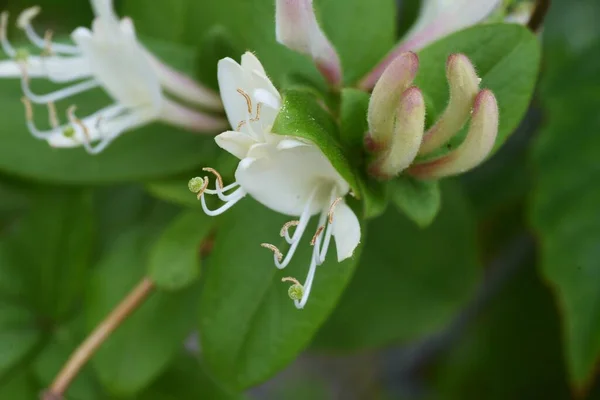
(258, 108)
(24, 22)
(291, 279)
(73, 118)
(28, 108)
(240, 125)
(6, 46)
(287, 226)
(317, 234)
(213, 171)
(274, 249)
(57, 95)
(332, 209)
(248, 100)
(203, 188)
(47, 51)
(52, 116)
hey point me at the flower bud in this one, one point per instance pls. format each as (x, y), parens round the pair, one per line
(298, 29)
(407, 135)
(476, 147)
(383, 105)
(464, 85)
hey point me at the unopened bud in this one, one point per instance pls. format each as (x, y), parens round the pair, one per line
(407, 136)
(383, 105)
(298, 29)
(476, 147)
(464, 85)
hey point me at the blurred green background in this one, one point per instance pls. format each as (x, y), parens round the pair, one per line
(498, 299)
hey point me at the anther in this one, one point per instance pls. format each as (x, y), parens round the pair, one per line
(240, 125)
(28, 108)
(287, 226)
(332, 209)
(52, 117)
(248, 100)
(317, 234)
(274, 249)
(78, 122)
(291, 279)
(258, 108)
(3, 24)
(213, 171)
(202, 189)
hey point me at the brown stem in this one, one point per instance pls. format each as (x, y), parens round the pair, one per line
(538, 15)
(87, 349)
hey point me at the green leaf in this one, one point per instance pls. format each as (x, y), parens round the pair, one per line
(49, 255)
(19, 335)
(132, 156)
(142, 347)
(361, 31)
(187, 379)
(301, 116)
(564, 209)
(419, 200)
(216, 45)
(20, 386)
(354, 126)
(410, 283)
(506, 57)
(175, 258)
(249, 327)
(509, 351)
(61, 344)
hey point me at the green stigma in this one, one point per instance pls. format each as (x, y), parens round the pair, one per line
(296, 292)
(69, 132)
(22, 54)
(195, 184)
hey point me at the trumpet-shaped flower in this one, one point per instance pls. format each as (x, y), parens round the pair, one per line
(437, 18)
(110, 57)
(286, 174)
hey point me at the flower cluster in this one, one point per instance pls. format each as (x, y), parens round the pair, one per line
(110, 57)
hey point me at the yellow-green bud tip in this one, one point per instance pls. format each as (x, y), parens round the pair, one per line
(195, 184)
(296, 292)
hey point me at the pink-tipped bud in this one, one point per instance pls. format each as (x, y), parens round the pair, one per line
(383, 105)
(298, 29)
(476, 147)
(408, 129)
(464, 85)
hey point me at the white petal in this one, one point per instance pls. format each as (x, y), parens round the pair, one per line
(122, 67)
(250, 79)
(236, 143)
(439, 18)
(56, 69)
(251, 63)
(283, 180)
(104, 9)
(346, 230)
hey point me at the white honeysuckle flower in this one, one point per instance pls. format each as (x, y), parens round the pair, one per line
(289, 175)
(437, 18)
(110, 57)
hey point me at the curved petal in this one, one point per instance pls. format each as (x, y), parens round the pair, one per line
(346, 231)
(283, 180)
(236, 143)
